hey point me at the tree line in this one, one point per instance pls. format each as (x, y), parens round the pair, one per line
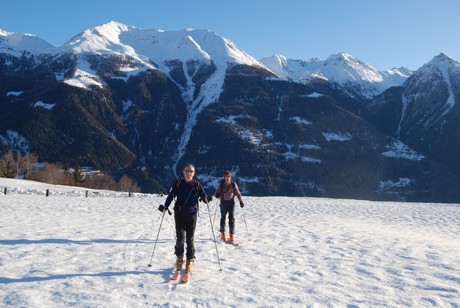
(18, 165)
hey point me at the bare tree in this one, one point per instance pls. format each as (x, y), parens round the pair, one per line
(101, 181)
(31, 159)
(15, 164)
(12, 165)
(7, 164)
(51, 174)
(126, 184)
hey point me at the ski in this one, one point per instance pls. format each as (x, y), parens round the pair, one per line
(185, 278)
(179, 276)
(175, 275)
(234, 243)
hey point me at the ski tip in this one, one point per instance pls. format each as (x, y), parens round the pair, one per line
(232, 243)
(184, 279)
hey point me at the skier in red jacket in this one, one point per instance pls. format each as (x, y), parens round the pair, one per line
(227, 191)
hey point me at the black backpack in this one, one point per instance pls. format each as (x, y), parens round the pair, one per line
(176, 187)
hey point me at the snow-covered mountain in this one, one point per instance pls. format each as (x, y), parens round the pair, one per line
(146, 48)
(357, 78)
(181, 55)
(144, 102)
(146, 45)
(430, 95)
(18, 43)
(424, 111)
(156, 48)
(164, 50)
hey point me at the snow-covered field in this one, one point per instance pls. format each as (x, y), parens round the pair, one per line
(69, 250)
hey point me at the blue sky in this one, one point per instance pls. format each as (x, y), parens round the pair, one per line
(384, 33)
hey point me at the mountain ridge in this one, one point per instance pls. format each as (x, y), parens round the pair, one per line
(341, 68)
(117, 38)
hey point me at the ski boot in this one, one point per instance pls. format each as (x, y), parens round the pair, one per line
(189, 265)
(188, 269)
(179, 263)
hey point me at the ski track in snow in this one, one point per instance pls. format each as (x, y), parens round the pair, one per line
(67, 250)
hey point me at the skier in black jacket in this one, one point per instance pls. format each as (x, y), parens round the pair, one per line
(187, 192)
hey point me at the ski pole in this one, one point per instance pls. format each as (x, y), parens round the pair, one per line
(244, 217)
(158, 234)
(215, 214)
(214, 236)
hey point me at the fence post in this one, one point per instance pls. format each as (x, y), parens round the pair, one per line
(47, 192)
(6, 189)
(86, 194)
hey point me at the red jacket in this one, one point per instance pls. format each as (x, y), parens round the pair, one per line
(228, 192)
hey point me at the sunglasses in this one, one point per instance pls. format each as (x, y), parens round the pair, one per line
(189, 171)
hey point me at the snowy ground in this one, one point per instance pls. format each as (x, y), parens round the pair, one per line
(68, 250)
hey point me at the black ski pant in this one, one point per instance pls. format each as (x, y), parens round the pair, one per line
(185, 232)
(227, 207)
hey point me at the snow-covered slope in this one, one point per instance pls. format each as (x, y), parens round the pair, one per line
(343, 69)
(66, 250)
(160, 46)
(18, 42)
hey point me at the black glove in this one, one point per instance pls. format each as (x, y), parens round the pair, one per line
(241, 204)
(163, 208)
(217, 195)
(206, 198)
